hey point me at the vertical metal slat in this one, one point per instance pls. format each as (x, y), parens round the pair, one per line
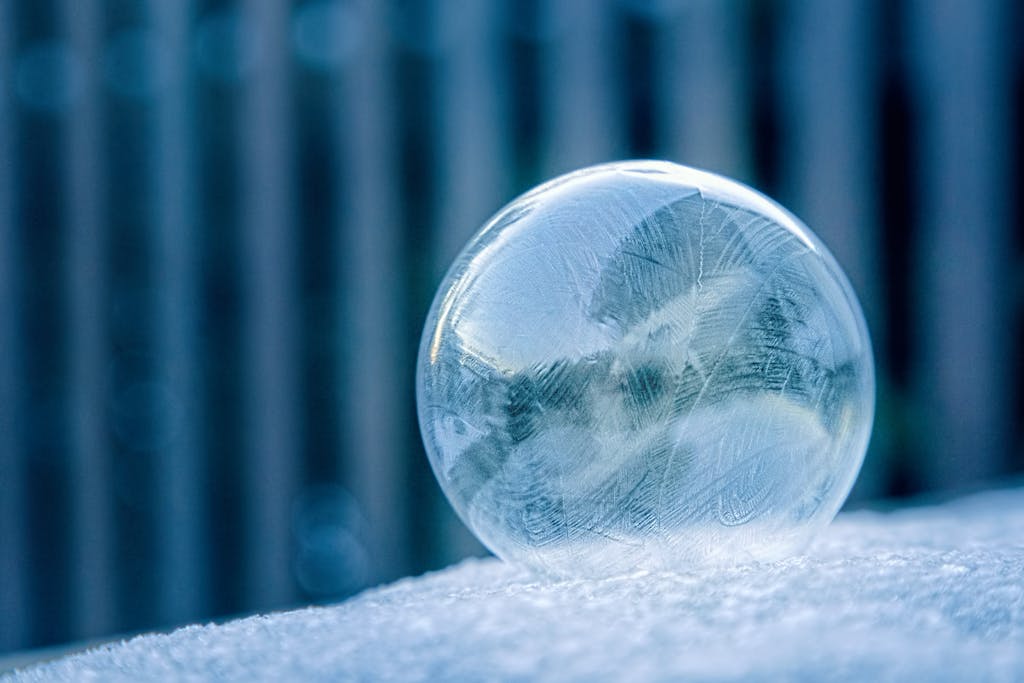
(702, 54)
(270, 344)
(473, 162)
(182, 560)
(91, 538)
(963, 246)
(583, 118)
(370, 265)
(13, 607)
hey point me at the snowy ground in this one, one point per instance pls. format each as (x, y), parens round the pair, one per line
(931, 594)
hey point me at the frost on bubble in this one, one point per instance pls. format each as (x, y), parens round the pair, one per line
(642, 365)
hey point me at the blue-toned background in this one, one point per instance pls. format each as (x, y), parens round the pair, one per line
(221, 225)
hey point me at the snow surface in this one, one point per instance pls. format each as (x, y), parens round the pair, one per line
(931, 594)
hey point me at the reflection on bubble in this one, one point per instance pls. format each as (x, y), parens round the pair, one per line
(326, 33)
(48, 77)
(331, 559)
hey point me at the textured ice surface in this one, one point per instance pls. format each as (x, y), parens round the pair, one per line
(931, 594)
(640, 365)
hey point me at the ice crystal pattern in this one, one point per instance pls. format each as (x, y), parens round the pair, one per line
(644, 366)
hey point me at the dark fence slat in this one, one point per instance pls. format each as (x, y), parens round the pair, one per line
(473, 163)
(13, 603)
(91, 521)
(270, 469)
(183, 564)
(702, 54)
(583, 112)
(961, 85)
(375, 424)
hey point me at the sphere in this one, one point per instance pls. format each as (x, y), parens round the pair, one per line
(644, 366)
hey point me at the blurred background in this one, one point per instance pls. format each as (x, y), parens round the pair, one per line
(221, 225)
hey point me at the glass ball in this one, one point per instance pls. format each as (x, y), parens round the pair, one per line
(643, 366)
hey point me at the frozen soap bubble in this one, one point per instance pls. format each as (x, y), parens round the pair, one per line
(641, 365)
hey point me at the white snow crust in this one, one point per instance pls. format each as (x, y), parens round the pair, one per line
(925, 594)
